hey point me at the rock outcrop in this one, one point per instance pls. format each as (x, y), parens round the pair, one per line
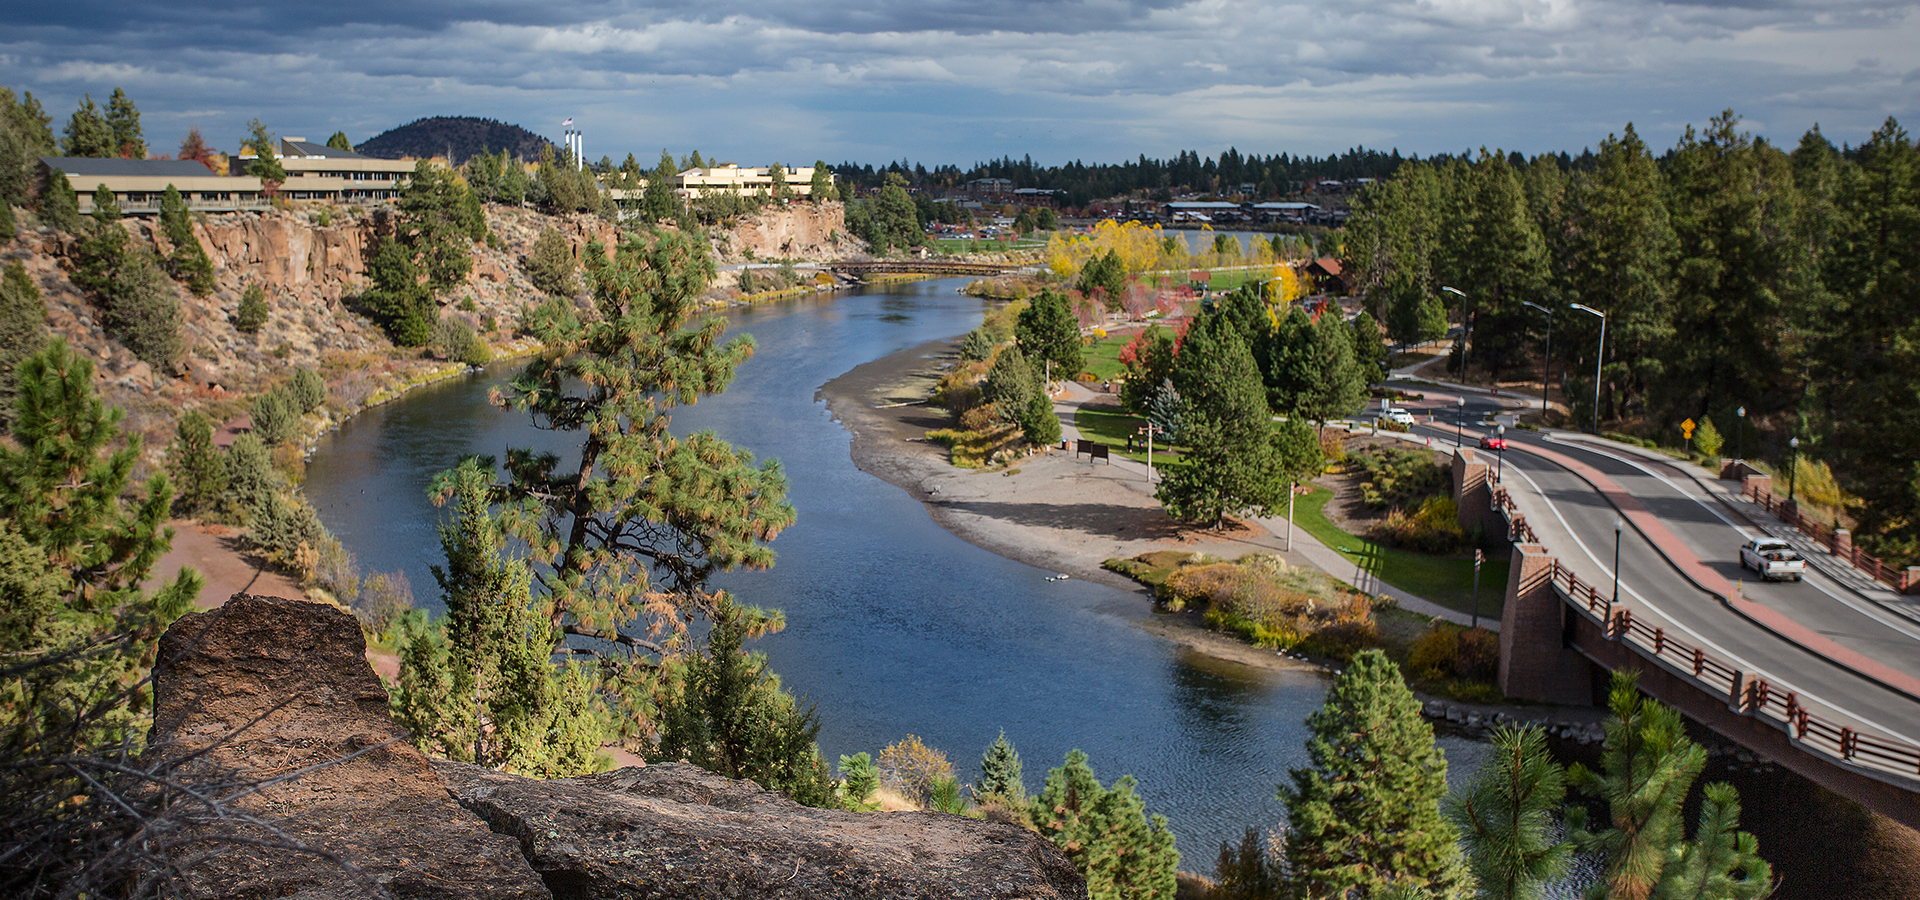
(263, 687)
(676, 831)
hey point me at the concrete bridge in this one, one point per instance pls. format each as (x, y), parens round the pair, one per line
(1626, 562)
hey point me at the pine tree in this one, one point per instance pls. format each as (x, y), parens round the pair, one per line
(1166, 412)
(1011, 384)
(1365, 815)
(1048, 331)
(1255, 870)
(480, 686)
(1000, 773)
(123, 120)
(1647, 766)
(143, 311)
(1105, 832)
(1314, 373)
(550, 264)
(338, 141)
(1506, 816)
(636, 523)
(8, 229)
(252, 314)
(1369, 353)
(1039, 424)
(727, 715)
(23, 332)
(976, 346)
(1238, 460)
(75, 551)
(188, 262)
(308, 390)
(104, 250)
(820, 189)
(1721, 862)
(275, 418)
(195, 464)
(658, 201)
(251, 480)
(59, 206)
(88, 133)
(777, 173)
(266, 163)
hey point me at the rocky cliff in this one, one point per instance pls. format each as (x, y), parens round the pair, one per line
(263, 688)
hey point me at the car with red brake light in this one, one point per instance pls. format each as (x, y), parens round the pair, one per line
(1490, 442)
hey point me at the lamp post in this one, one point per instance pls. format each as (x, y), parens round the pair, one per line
(1463, 328)
(1500, 455)
(1546, 365)
(1617, 524)
(1740, 434)
(1599, 357)
(1793, 466)
(1460, 425)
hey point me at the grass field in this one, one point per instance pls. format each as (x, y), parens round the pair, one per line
(1443, 580)
(1103, 358)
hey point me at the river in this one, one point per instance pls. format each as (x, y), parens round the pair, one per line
(895, 626)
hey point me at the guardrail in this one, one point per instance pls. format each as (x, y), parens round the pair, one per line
(1750, 696)
(1901, 580)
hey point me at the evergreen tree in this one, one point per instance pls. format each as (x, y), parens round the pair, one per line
(1148, 359)
(1039, 424)
(1011, 384)
(1000, 773)
(636, 523)
(729, 716)
(252, 314)
(194, 147)
(658, 200)
(1216, 374)
(480, 686)
(143, 311)
(338, 141)
(976, 346)
(1105, 832)
(1048, 331)
(1647, 766)
(1369, 353)
(777, 173)
(266, 163)
(59, 206)
(1166, 412)
(196, 466)
(1251, 871)
(1499, 256)
(104, 249)
(88, 133)
(1506, 817)
(1721, 862)
(8, 229)
(23, 332)
(308, 390)
(895, 220)
(1365, 814)
(275, 418)
(1314, 374)
(251, 480)
(76, 544)
(820, 189)
(188, 262)
(436, 225)
(1104, 277)
(550, 264)
(123, 121)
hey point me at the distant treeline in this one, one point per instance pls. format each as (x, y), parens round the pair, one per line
(457, 138)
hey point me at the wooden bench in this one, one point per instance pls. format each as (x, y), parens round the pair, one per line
(1094, 450)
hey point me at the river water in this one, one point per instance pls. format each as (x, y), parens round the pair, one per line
(895, 626)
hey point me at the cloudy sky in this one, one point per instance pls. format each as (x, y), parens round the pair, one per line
(945, 81)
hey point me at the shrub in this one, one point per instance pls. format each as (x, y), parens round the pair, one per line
(911, 767)
(308, 390)
(980, 418)
(551, 265)
(454, 340)
(1275, 605)
(250, 479)
(276, 417)
(1433, 528)
(385, 597)
(1391, 477)
(858, 779)
(252, 315)
(1448, 651)
(977, 346)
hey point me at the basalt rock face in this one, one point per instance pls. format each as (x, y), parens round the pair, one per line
(264, 687)
(675, 831)
(297, 672)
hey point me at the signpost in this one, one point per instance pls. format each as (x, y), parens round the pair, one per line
(1686, 431)
(1479, 556)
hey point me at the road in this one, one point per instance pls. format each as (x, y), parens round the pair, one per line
(1574, 520)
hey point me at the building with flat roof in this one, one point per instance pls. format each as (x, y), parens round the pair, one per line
(319, 172)
(137, 184)
(730, 178)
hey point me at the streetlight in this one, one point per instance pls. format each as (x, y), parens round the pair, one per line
(1500, 454)
(1740, 434)
(1617, 524)
(1463, 328)
(1460, 425)
(1546, 365)
(1793, 467)
(1599, 356)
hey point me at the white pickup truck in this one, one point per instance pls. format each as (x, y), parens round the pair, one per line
(1773, 558)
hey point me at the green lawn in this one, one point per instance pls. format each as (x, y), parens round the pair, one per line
(1103, 358)
(1443, 580)
(1113, 428)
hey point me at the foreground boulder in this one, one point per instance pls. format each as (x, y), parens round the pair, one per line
(677, 831)
(265, 688)
(298, 672)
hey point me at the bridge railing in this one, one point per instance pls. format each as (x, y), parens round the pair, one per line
(1517, 527)
(1752, 696)
(1898, 579)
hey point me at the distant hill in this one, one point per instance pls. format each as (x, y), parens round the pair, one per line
(456, 136)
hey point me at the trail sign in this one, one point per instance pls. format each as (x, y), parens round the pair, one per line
(1686, 429)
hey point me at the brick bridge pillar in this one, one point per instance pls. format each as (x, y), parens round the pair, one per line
(1535, 663)
(1473, 494)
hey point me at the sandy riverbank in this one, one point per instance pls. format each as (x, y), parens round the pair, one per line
(1053, 511)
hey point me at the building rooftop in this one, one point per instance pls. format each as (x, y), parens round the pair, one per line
(94, 167)
(296, 148)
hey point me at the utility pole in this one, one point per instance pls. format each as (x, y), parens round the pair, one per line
(1149, 430)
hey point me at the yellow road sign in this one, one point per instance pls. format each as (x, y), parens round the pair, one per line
(1686, 429)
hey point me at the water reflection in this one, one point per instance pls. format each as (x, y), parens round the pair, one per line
(895, 625)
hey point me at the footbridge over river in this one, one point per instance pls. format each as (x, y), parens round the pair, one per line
(1624, 561)
(928, 266)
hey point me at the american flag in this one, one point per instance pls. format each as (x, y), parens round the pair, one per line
(567, 124)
